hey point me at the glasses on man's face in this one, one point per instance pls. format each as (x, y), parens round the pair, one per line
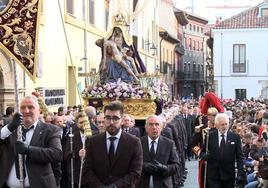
(114, 118)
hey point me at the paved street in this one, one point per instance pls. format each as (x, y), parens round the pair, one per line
(192, 177)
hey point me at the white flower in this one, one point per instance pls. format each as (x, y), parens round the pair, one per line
(118, 94)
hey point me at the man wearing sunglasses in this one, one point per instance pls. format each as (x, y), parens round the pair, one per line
(114, 158)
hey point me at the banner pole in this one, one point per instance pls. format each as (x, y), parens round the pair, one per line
(19, 129)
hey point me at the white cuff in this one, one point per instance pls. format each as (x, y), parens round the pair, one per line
(4, 133)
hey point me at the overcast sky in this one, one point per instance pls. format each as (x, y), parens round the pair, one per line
(211, 9)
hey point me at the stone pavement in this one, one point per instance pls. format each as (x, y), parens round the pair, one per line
(192, 177)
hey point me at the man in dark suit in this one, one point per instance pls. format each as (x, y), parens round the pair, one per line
(113, 158)
(126, 126)
(224, 151)
(41, 147)
(160, 159)
(81, 134)
(189, 124)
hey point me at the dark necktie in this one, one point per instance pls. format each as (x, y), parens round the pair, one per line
(24, 131)
(185, 118)
(111, 150)
(152, 151)
(222, 144)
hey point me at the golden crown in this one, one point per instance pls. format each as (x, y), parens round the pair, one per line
(119, 19)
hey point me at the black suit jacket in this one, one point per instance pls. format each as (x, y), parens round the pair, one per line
(189, 124)
(126, 168)
(222, 167)
(134, 131)
(45, 149)
(77, 145)
(167, 132)
(165, 154)
(179, 133)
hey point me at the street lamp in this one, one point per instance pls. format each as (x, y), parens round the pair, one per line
(152, 47)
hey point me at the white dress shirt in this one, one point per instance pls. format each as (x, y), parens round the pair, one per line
(151, 182)
(219, 136)
(13, 181)
(108, 142)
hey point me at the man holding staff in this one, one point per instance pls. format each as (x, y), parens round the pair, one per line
(40, 146)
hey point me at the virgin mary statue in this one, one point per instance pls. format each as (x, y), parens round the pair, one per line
(120, 59)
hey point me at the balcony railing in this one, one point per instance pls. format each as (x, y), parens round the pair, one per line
(239, 66)
(190, 76)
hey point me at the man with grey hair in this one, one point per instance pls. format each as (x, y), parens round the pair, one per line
(126, 126)
(92, 116)
(225, 150)
(40, 147)
(160, 159)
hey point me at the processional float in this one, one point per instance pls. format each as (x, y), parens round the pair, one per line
(123, 76)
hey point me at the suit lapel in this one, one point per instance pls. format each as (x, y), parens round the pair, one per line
(78, 140)
(145, 148)
(38, 131)
(120, 148)
(159, 148)
(103, 150)
(215, 140)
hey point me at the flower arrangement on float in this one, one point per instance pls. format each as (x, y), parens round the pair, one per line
(149, 88)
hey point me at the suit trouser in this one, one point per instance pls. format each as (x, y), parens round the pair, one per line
(220, 183)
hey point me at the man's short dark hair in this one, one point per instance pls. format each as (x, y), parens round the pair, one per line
(114, 106)
(9, 110)
(61, 109)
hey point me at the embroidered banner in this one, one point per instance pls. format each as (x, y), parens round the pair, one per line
(19, 20)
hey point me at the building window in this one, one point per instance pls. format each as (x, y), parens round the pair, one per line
(70, 6)
(264, 12)
(197, 28)
(189, 68)
(194, 27)
(194, 67)
(91, 14)
(202, 30)
(190, 27)
(239, 58)
(185, 67)
(240, 94)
